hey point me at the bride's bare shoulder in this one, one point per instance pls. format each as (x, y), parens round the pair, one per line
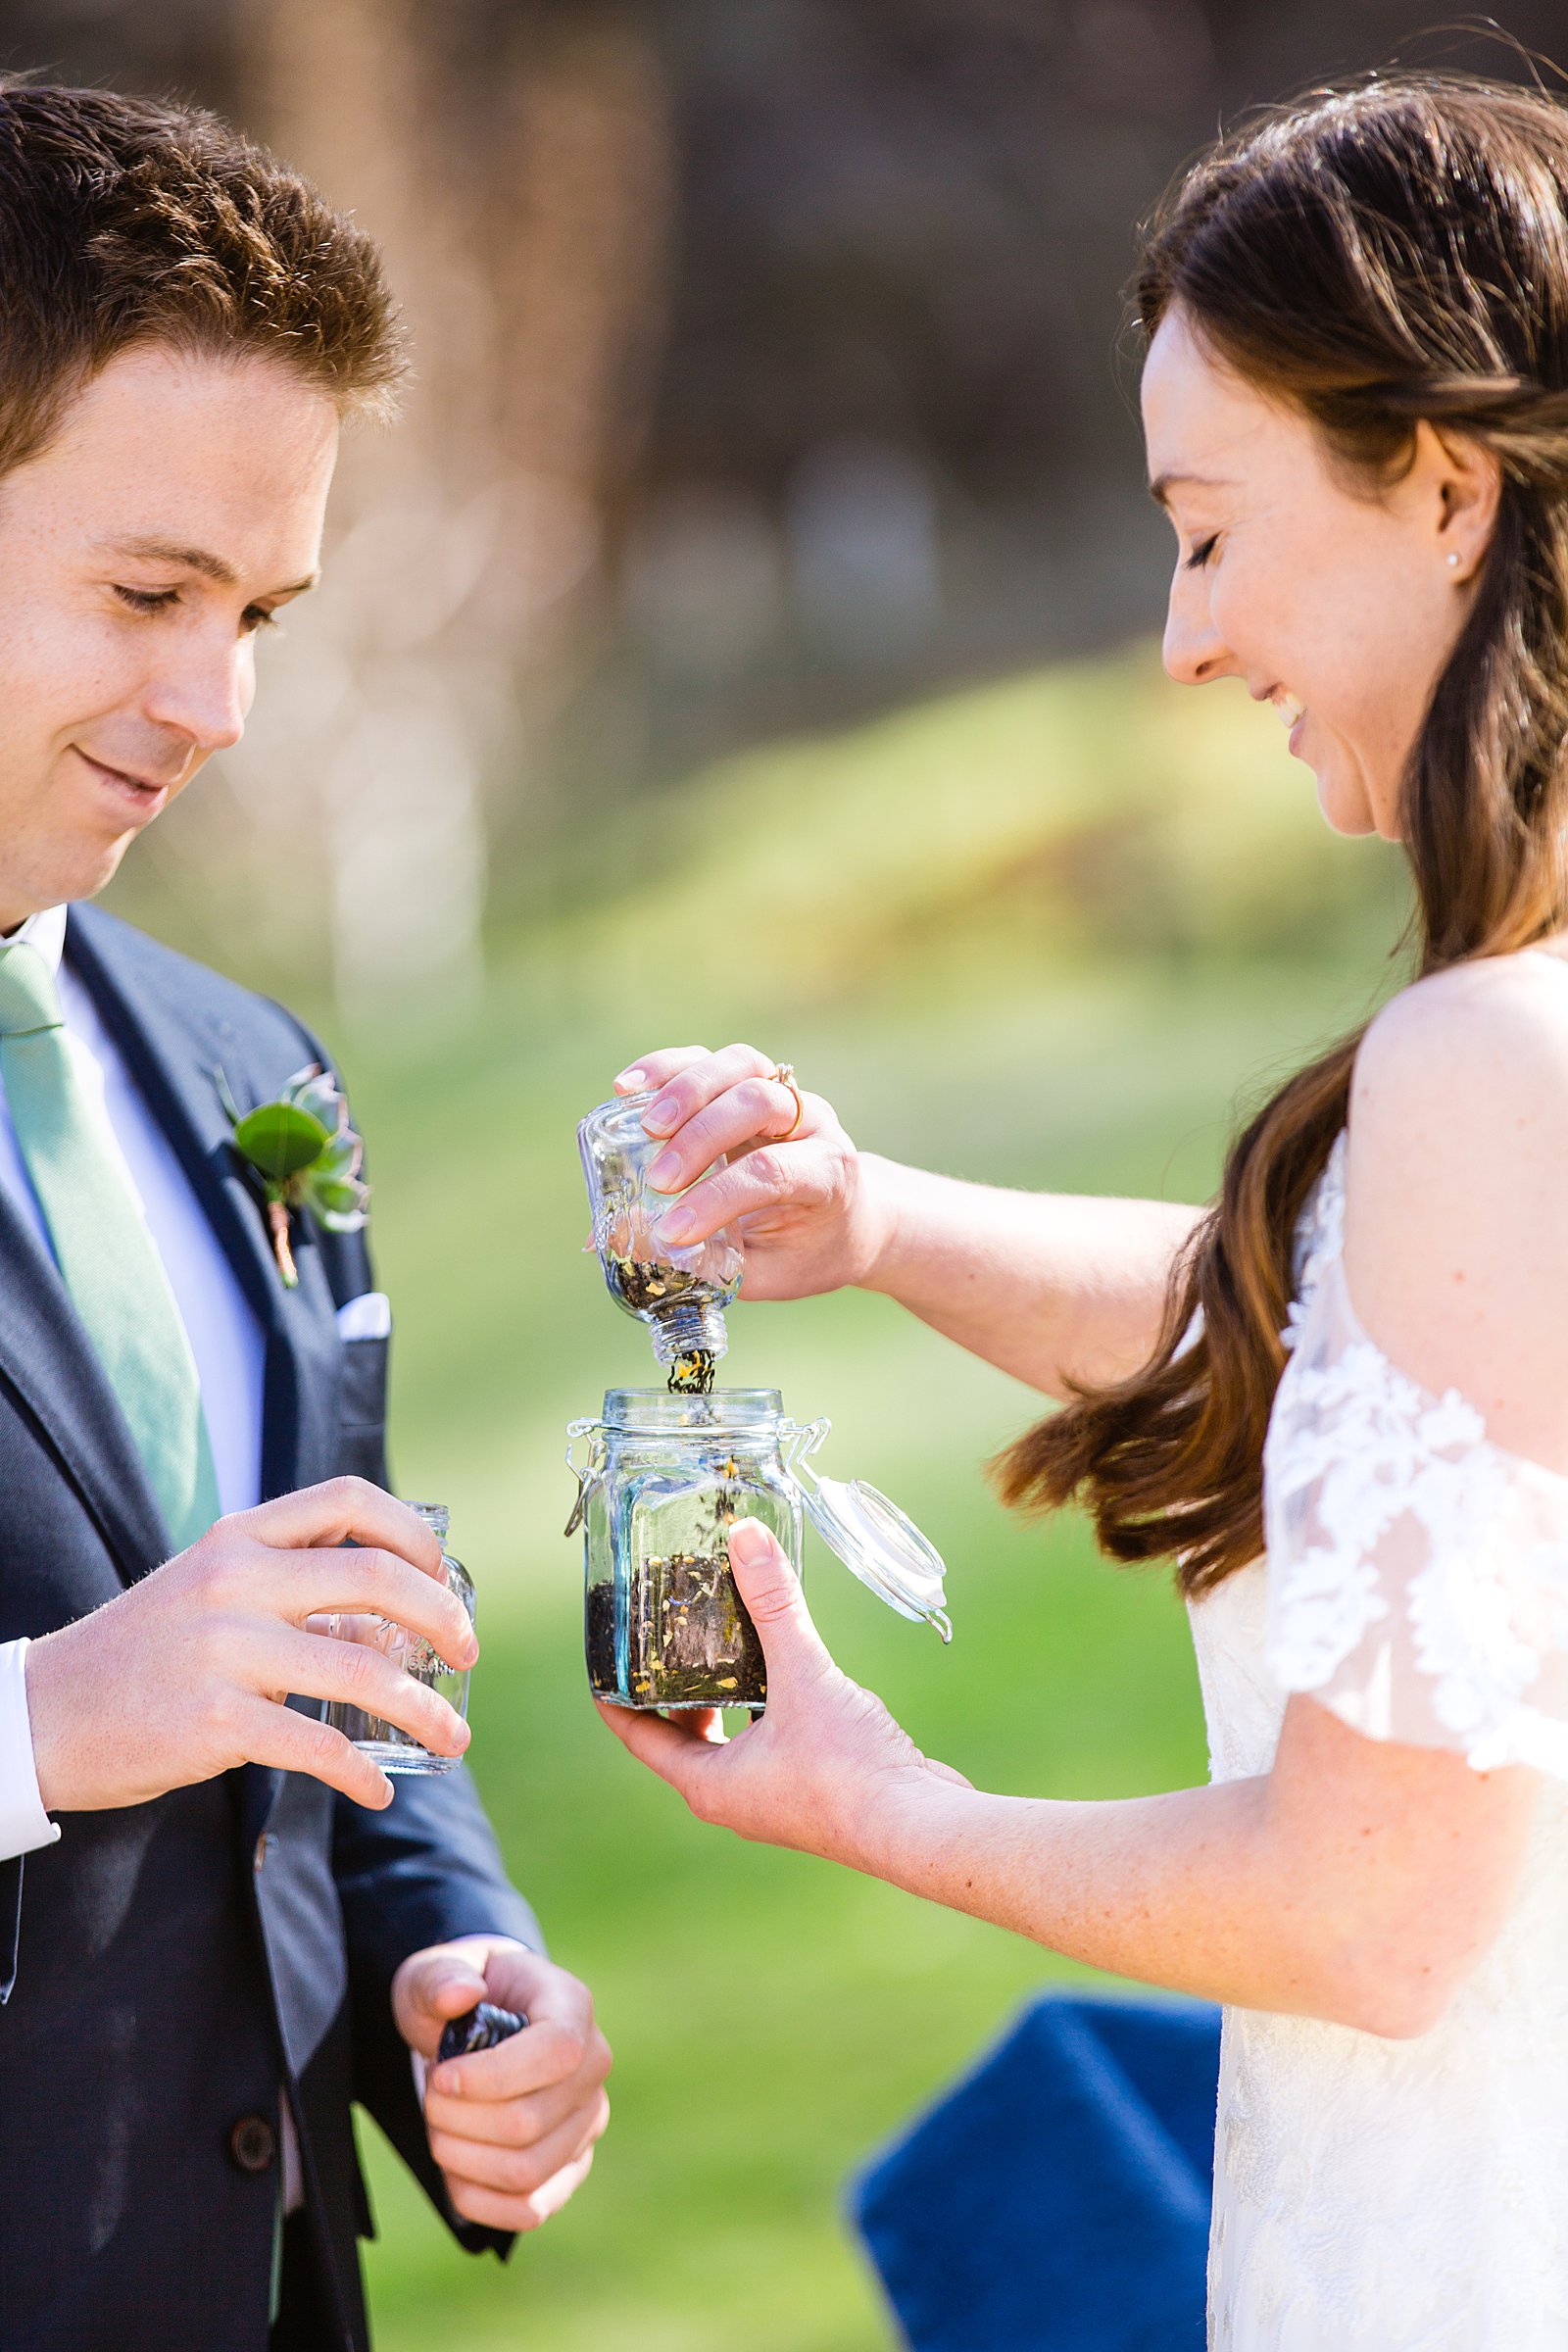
(1481, 1040)
(1456, 1234)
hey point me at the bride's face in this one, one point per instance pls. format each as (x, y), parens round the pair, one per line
(1337, 603)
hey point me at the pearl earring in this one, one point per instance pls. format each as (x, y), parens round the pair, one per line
(1453, 559)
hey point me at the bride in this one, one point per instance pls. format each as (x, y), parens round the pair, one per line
(1339, 1398)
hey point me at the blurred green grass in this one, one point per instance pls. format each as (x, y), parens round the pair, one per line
(1036, 933)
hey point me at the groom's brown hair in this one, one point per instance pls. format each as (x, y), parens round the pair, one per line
(124, 222)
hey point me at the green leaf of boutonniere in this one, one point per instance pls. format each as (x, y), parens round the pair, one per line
(306, 1156)
(280, 1140)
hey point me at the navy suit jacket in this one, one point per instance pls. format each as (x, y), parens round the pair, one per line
(171, 1972)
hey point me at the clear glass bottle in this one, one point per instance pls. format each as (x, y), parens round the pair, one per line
(680, 1294)
(663, 1480)
(392, 1747)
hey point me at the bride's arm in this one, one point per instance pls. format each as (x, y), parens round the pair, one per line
(1056, 1288)
(1051, 1288)
(1357, 1882)
(1359, 1878)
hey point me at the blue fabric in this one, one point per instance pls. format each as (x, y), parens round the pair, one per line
(1057, 2200)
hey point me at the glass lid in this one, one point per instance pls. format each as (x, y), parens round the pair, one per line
(880, 1544)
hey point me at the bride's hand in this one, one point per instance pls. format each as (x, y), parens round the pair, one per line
(807, 1201)
(826, 1769)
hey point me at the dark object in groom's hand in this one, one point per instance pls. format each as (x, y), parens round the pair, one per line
(478, 2029)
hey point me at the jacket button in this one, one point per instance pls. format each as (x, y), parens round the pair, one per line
(252, 2143)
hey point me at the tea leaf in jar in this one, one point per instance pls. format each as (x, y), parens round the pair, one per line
(599, 1637)
(705, 1647)
(649, 1286)
(645, 1283)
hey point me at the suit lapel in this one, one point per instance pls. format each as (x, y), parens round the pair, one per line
(51, 1364)
(173, 1050)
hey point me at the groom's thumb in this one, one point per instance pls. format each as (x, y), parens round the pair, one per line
(432, 1987)
(771, 1592)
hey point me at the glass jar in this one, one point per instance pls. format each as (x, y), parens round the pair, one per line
(392, 1747)
(680, 1294)
(664, 1479)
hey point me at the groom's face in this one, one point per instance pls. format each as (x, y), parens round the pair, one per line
(141, 552)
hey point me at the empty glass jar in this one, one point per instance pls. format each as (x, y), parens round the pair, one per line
(392, 1747)
(662, 1479)
(680, 1294)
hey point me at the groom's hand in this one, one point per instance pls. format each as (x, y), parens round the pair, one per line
(513, 2128)
(185, 1674)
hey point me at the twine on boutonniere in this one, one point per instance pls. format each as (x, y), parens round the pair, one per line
(305, 1155)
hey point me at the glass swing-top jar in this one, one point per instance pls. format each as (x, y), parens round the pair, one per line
(664, 1479)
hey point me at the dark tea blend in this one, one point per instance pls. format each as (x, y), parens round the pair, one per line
(693, 1643)
(649, 1287)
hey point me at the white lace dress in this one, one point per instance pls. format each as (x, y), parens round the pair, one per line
(1372, 2195)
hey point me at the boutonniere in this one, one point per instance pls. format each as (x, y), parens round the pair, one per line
(307, 1156)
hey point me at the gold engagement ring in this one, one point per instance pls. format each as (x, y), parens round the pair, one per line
(784, 1075)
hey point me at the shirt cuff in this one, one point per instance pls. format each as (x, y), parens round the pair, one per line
(23, 1822)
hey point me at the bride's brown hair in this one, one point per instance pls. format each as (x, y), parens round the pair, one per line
(1374, 256)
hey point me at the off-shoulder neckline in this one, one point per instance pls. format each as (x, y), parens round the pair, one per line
(1324, 1259)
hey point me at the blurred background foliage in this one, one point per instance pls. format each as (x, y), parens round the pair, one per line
(769, 371)
(750, 629)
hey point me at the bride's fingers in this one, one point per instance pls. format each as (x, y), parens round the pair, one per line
(771, 1177)
(679, 1752)
(775, 1603)
(701, 1083)
(753, 1113)
(655, 1069)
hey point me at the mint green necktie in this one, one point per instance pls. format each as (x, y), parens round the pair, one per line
(101, 1242)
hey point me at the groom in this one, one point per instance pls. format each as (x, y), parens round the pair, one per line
(204, 1958)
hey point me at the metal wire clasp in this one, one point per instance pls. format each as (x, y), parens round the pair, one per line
(797, 1444)
(583, 1472)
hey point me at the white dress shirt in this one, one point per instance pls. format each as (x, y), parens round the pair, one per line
(226, 1338)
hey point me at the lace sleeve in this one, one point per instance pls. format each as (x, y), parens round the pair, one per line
(1417, 1572)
